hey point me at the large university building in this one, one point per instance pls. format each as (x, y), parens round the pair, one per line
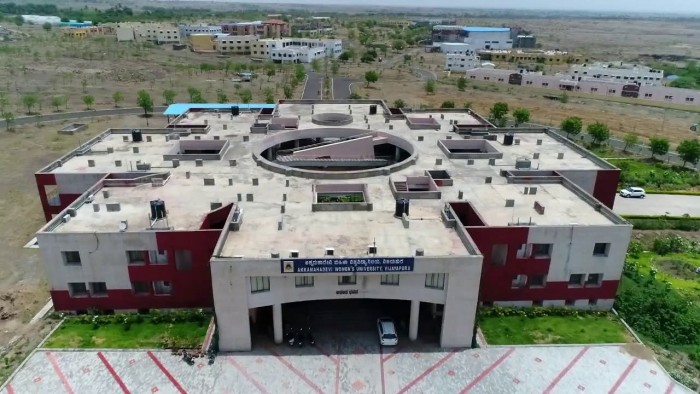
(254, 211)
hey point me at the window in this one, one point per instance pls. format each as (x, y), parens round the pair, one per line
(689, 99)
(518, 281)
(601, 249)
(183, 260)
(391, 280)
(576, 280)
(499, 254)
(135, 257)
(435, 281)
(592, 302)
(304, 281)
(158, 257)
(538, 280)
(71, 258)
(77, 290)
(259, 284)
(347, 280)
(524, 251)
(594, 280)
(594, 89)
(541, 250)
(537, 303)
(570, 302)
(141, 288)
(162, 287)
(98, 289)
(545, 83)
(647, 94)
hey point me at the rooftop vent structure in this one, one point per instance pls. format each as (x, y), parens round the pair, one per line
(522, 163)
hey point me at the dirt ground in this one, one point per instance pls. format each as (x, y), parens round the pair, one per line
(23, 287)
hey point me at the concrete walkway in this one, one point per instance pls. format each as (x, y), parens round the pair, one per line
(351, 365)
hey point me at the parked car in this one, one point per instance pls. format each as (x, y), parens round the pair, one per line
(387, 332)
(633, 192)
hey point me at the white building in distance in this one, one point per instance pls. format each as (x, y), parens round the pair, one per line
(620, 72)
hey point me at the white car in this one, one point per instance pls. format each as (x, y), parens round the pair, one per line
(633, 192)
(387, 332)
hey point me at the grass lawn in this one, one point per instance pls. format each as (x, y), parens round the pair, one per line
(516, 330)
(678, 269)
(72, 334)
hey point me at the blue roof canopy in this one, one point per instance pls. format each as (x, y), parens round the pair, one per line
(181, 108)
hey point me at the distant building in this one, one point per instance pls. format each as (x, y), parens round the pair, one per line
(525, 42)
(588, 84)
(459, 56)
(271, 28)
(300, 50)
(620, 72)
(236, 45)
(187, 30)
(83, 32)
(147, 32)
(477, 37)
(536, 56)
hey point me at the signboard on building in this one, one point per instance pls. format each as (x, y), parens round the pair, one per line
(344, 265)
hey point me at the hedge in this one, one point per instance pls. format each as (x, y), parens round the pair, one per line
(532, 312)
(682, 223)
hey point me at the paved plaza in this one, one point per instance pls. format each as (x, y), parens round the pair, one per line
(351, 365)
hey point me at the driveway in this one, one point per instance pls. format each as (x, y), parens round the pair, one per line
(658, 204)
(341, 88)
(313, 89)
(352, 364)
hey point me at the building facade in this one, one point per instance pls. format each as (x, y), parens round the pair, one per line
(477, 37)
(271, 28)
(187, 30)
(147, 32)
(620, 72)
(373, 205)
(589, 85)
(542, 57)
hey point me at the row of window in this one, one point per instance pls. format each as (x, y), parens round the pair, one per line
(260, 284)
(499, 252)
(539, 281)
(99, 289)
(183, 258)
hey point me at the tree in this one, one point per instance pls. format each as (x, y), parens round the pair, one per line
(468, 105)
(316, 65)
(371, 76)
(117, 97)
(430, 86)
(169, 96)
(9, 118)
(448, 104)
(630, 139)
(269, 97)
(564, 98)
(47, 26)
(499, 110)
(521, 115)
(599, 132)
(689, 151)
(571, 125)
(270, 72)
(659, 146)
(57, 101)
(18, 20)
(30, 100)
(398, 45)
(344, 57)
(246, 95)
(88, 100)
(193, 93)
(299, 72)
(399, 104)
(461, 84)
(144, 100)
(335, 67)
(221, 96)
(84, 84)
(288, 93)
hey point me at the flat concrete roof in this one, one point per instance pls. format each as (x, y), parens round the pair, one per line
(188, 200)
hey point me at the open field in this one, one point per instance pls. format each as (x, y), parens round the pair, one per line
(516, 330)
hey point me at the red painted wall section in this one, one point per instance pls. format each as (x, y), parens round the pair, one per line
(190, 289)
(496, 280)
(43, 180)
(466, 214)
(216, 219)
(605, 188)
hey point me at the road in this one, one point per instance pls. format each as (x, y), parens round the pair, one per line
(313, 90)
(424, 74)
(658, 204)
(341, 88)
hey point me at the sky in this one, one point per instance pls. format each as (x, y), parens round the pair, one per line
(655, 6)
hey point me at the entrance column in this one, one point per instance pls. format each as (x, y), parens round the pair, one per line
(397, 154)
(277, 322)
(413, 321)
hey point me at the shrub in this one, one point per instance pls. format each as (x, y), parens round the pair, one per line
(673, 244)
(635, 249)
(499, 311)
